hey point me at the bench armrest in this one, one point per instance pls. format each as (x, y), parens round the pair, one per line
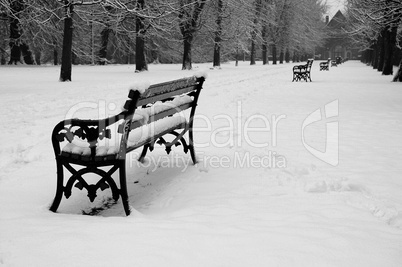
(89, 131)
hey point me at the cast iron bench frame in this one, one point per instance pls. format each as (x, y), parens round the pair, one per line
(94, 131)
(302, 72)
(325, 65)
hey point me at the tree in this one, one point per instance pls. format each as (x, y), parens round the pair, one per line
(398, 75)
(226, 26)
(218, 34)
(140, 60)
(377, 22)
(189, 23)
(254, 32)
(66, 57)
(18, 46)
(294, 25)
(105, 36)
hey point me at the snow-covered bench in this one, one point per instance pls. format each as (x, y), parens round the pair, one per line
(150, 113)
(302, 72)
(325, 65)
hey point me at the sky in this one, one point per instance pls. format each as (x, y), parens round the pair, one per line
(334, 6)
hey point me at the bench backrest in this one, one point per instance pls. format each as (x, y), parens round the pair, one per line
(309, 64)
(92, 131)
(164, 92)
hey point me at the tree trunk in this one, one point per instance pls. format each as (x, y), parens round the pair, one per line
(281, 55)
(140, 59)
(188, 27)
(26, 54)
(15, 51)
(364, 57)
(371, 55)
(237, 56)
(252, 53)
(258, 6)
(274, 56)
(15, 32)
(3, 59)
(55, 54)
(17, 47)
(66, 57)
(217, 54)
(265, 59)
(375, 55)
(389, 43)
(398, 75)
(287, 56)
(381, 49)
(103, 48)
(186, 65)
(218, 36)
(38, 55)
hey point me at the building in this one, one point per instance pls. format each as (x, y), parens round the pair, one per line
(338, 43)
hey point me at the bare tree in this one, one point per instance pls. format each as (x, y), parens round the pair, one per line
(13, 10)
(254, 32)
(218, 34)
(189, 16)
(376, 22)
(140, 60)
(227, 23)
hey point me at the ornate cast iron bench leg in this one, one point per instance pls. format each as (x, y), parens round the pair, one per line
(59, 188)
(123, 187)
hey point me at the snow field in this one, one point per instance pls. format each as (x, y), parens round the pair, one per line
(257, 197)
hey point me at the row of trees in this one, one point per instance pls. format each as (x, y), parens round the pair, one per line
(124, 31)
(375, 26)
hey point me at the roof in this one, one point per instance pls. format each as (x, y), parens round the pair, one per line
(337, 21)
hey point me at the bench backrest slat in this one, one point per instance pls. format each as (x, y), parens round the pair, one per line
(154, 98)
(170, 86)
(163, 114)
(163, 91)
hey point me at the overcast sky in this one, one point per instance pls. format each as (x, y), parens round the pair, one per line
(334, 6)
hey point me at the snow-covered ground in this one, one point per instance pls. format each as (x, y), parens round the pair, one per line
(289, 174)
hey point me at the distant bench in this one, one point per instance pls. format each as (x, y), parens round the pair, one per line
(149, 114)
(302, 72)
(325, 65)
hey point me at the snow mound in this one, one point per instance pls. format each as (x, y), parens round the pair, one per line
(141, 87)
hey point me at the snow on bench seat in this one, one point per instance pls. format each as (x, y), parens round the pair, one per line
(144, 134)
(137, 137)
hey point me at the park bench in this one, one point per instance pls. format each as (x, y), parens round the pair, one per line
(325, 65)
(100, 146)
(302, 72)
(333, 63)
